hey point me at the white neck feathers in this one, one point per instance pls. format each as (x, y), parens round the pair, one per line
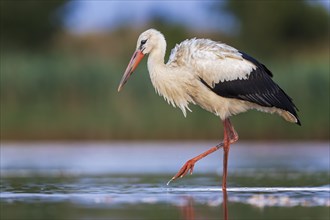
(166, 80)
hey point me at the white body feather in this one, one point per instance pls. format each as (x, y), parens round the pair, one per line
(179, 82)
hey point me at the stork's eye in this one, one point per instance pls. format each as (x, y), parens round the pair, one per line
(143, 42)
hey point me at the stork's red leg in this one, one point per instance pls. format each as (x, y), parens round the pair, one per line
(230, 136)
(189, 165)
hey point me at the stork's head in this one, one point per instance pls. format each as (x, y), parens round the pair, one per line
(147, 42)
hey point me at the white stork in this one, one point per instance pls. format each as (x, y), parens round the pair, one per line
(215, 76)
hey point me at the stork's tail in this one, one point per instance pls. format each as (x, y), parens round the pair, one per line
(288, 116)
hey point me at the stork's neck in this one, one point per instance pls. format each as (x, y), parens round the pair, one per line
(156, 58)
(158, 71)
(164, 78)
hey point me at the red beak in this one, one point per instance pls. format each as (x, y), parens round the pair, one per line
(133, 63)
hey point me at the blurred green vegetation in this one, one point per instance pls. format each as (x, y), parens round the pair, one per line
(30, 24)
(68, 90)
(279, 26)
(62, 96)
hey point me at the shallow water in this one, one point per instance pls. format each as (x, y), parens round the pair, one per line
(128, 181)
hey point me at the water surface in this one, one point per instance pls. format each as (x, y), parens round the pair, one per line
(128, 181)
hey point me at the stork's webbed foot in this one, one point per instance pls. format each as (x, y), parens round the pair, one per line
(187, 167)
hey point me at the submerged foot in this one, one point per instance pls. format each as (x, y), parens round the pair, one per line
(187, 167)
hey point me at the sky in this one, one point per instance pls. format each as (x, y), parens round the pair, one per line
(83, 16)
(98, 15)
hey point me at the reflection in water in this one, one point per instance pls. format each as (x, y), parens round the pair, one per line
(224, 204)
(304, 198)
(110, 198)
(188, 209)
(189, 212)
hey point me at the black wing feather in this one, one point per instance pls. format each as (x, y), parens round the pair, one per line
(258, 88)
